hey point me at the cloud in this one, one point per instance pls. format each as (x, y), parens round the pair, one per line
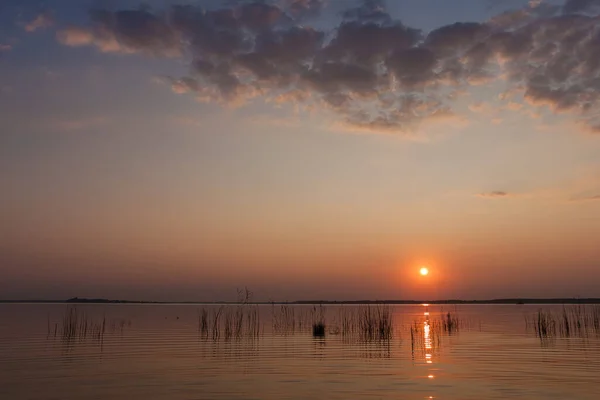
(5, 47)
(587, 198)
(371, 70)
(514, 106)
(534, 3)
(41, 21)
(77, 36)
(480, 107)
(579, 6)
(128, 31)
(496, 194)
(301, 9)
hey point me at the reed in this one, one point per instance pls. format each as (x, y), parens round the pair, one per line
(426, 336)
(78, 325)
(318, 329)
(216, 332)
(572, 321)
(228, 322)
(365, 323)
(288, 319)
(374, 323)
(236, 322)
(283, 319)
(347, 322)
(450, 323)
(203, 322)
(253, 322)
(318, 321)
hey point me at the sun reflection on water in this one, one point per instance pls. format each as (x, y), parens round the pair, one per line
(427, 341)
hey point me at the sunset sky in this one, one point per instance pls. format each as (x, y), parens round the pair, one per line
(307, 149)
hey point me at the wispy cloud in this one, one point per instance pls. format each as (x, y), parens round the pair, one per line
(586, 198)
(5, 47)
(496, 194)
(41, 21)
(374, 72)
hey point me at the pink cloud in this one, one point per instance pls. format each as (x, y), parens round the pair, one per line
(41, 21)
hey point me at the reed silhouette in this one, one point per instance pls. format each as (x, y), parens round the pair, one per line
(375, 322)
(288, 319)
(367, 323)
(76, 324)
(572, 321)
(231, 321)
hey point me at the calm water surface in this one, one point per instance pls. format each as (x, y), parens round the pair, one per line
(160, 352)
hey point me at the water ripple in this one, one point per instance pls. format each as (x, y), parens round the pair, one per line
(159, 352)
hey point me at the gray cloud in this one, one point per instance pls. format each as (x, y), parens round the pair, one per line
(579, 6)
(494, 194)
(371, 69)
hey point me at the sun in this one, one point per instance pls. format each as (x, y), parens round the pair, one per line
(424, 271)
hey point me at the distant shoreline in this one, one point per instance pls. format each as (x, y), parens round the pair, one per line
(77, 300)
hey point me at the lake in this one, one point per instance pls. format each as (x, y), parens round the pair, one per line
(148, 351)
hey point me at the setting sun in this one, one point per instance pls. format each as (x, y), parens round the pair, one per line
(424, 271)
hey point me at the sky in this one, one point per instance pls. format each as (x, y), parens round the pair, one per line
(306, 149)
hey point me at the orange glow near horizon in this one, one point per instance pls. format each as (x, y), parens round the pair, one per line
(428, 277)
